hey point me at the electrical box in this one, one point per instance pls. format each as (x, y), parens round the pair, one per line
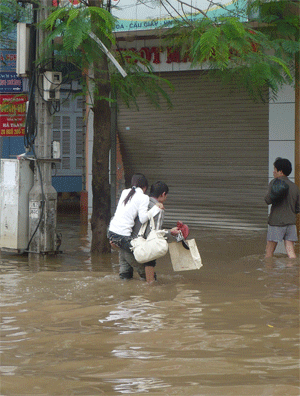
(16, 181)
(52, 82)
(23, 37)
(55, 149)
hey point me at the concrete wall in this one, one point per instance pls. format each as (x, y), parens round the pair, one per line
(282, 128)
(282, 133)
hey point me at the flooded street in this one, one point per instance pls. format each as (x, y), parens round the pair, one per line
(70, 326)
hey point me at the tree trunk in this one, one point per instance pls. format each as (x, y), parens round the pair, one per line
(100, 161)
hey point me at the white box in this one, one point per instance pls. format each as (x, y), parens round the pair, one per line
(16, 181)
(52, 83)
(23, 38)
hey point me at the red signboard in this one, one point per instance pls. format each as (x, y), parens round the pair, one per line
(56, 3)
(12, 119)
(12, 126)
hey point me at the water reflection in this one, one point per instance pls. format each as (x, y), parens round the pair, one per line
(138, 385)
(70, 326)
(135, 315)
(135, 353)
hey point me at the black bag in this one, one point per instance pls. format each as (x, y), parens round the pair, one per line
(279, 191)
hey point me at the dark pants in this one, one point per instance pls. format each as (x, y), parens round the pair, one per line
(123, 242)
(128, 264)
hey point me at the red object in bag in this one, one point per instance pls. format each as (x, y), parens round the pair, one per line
(183, 228)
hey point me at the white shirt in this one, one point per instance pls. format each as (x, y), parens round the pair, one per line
(123, 220)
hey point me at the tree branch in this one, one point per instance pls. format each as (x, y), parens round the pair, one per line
(174, 9)
(195, 8)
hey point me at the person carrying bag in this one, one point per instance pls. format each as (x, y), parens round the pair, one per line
(158, 194)
(133, 204)
(152, 247)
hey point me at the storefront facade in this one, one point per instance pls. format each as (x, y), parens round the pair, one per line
(211, 148)
(215, 148)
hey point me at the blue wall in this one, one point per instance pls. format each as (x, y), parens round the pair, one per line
(67, 183)
(14, 145)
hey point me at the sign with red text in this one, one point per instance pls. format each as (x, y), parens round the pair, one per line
(8, 60)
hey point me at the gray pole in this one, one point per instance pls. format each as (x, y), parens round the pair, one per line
(43, 196)
(113, 156)
(297, 120)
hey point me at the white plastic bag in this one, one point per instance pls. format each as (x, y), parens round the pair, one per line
(185, 259)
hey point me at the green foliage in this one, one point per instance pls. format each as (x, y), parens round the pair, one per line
(12, 12)
(74, 25)
(208, 42)
(140, 80)
(68, 36)
(279, 18)
(290, 47)
(256, 57)
(5, 15)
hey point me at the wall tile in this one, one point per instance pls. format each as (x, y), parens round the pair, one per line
(282, 121)
(286, 95)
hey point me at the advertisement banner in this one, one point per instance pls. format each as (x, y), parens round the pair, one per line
(13, 111)
(8, 60)
(135, 15)
(10, 82)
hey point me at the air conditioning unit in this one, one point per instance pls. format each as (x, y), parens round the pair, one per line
(52, 82)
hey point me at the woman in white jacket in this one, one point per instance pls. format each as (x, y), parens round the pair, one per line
(133, 203)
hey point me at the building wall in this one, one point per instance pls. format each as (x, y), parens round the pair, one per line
(282, 133)
(282, 128)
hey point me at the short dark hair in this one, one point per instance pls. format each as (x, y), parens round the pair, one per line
(284, 165)
(158, 189)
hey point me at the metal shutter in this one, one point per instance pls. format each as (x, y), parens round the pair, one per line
(211, 149)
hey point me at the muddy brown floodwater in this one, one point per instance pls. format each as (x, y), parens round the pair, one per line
(70, 326)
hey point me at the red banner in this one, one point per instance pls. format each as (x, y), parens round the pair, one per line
(56, 3)
(13, 112)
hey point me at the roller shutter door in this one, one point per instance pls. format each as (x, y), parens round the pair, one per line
(211, 149)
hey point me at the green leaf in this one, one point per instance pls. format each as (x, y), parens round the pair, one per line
(283, 65)
(73, 13)
(290, 46)
(208, 42)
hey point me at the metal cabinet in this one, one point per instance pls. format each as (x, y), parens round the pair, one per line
(16, 181)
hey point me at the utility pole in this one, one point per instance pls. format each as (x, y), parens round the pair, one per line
(297, 116)
(113, 155)
(43, 196)
(297, 125)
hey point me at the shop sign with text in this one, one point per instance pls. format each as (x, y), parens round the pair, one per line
(12, 119)
(8, 60)
(10, 82)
